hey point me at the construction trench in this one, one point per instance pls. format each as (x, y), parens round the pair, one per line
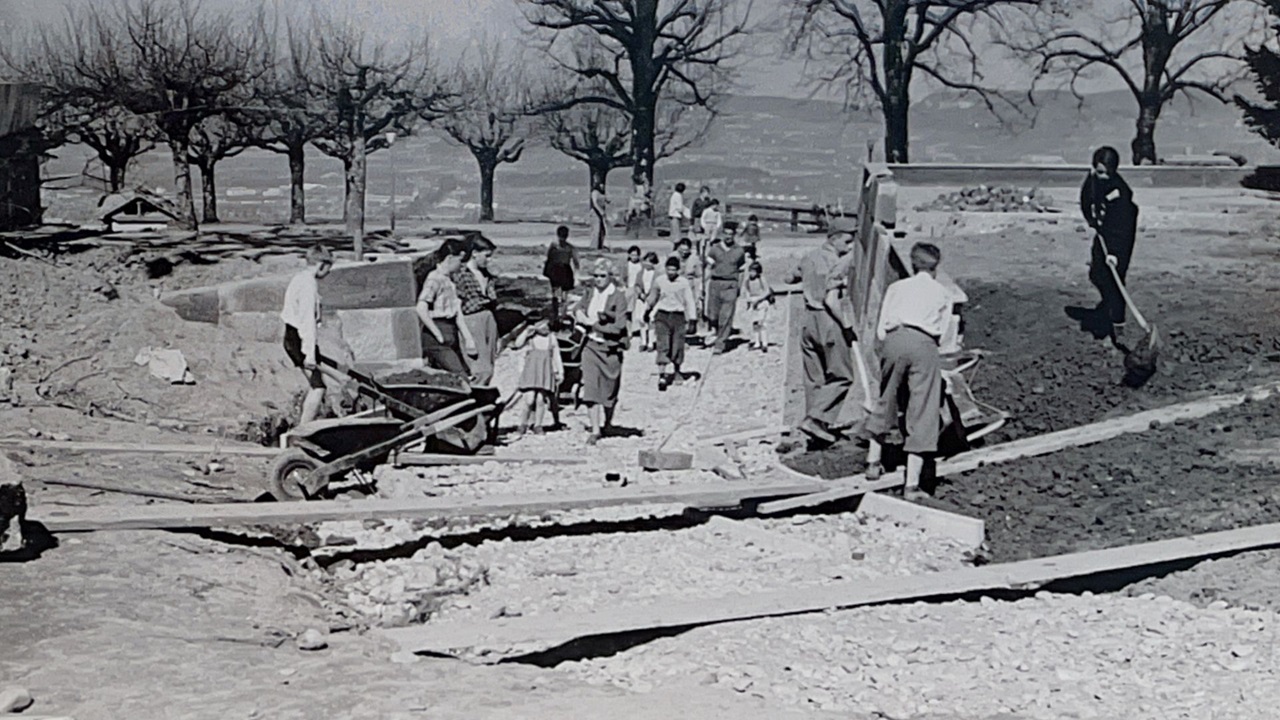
(655, 597)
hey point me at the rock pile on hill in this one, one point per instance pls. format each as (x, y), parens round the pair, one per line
(992, 199)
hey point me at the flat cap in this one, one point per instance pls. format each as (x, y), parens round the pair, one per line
(843, 224)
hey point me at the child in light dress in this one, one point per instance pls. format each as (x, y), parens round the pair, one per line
(640, 291)
(758, 297)
(541, 377)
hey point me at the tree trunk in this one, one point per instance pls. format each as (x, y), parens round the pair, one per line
(209, 192)
(186, 206)
(897, 66)
(643, 127)
(116, 173)
(1144, 140)
(355, 193)
(297, 191)
(599, 176)
(488, 168)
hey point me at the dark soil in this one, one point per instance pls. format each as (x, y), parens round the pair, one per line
(1050, 375)
(1164, 483)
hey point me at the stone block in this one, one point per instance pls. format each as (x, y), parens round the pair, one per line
(256, 326)
(357, 286)
(197, 305)
(256, 295)
(382, 335)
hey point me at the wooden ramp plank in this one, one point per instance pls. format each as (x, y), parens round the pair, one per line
(427, 459)
(963, 529)
(530, 633)
(1044, 444)
(144, 448)
(157, 517)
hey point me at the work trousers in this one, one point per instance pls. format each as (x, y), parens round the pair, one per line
(446, 353)
(910, 370)
(828, 366)
(669, 327)
(675, 229)
(722, 303)
(484, 333)
(599, 230)
(1112, 303)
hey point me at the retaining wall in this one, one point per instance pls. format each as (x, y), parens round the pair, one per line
(372, 302)
(1160, 176)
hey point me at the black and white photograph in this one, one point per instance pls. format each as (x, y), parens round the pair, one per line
(639, 359)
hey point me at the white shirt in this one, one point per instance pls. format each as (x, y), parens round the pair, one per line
(302, 309)
(599, 300)
(920, 302)
(711, 218)
(676, 208)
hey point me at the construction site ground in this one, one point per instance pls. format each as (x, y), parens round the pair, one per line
(203, 624)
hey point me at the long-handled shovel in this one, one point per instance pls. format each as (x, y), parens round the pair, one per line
(1143, 358)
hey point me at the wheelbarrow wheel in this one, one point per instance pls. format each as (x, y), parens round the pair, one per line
(288, 473)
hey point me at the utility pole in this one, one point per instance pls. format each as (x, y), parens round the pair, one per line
(391, 141)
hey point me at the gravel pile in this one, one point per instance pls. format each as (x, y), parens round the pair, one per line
(1049, 657)
(1000, 198)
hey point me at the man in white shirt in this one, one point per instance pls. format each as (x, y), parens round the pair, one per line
(301, 316)
(676, 211)
(913, 318)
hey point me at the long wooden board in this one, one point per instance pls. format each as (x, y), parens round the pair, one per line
(531, 633)
(155, 517)
(426, 459)
(143, 448)
(961, 528)
(1045, 444)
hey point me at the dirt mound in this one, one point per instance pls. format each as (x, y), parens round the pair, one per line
(992, 199)
(72, 343)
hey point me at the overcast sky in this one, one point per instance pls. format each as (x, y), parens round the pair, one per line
(452, 23)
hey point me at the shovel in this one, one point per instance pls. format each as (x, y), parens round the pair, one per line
(1143, 358)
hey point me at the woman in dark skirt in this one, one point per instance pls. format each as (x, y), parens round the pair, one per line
(562, 261)
(603, 312)
(445, 337)
(1107, 204)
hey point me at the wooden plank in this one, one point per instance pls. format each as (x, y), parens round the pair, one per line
(742, 435)
(967, 530)
(424, 459)
(1047, 443)
(155, 517)
(544, 631)
(143, 448)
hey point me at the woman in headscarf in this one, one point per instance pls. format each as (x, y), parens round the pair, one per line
(603, 312)
(1107, 204)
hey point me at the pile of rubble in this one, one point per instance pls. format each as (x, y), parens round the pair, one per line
(1001, 198)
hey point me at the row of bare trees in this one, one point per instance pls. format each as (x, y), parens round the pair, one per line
(615, 84)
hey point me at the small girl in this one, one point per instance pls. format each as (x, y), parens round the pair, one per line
(541, 377)
(644, 286)
(758, 296)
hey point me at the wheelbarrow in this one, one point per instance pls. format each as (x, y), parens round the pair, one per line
(439, 410)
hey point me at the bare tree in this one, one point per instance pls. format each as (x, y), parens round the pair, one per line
(215, 139)
(116, 135)
(366, 89)
(1158, 48)
(643, 52)
(877, 48)
(286, 115)
(599, 135)
(491, 122)
(168, 60)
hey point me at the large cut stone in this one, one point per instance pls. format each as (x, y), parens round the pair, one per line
(197, 305)
(256, 295)
(360, 286)
(382, 335)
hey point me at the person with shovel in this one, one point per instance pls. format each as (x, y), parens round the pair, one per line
(1107, 204)
(826, 335)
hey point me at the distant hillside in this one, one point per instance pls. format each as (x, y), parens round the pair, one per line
(810, 149)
